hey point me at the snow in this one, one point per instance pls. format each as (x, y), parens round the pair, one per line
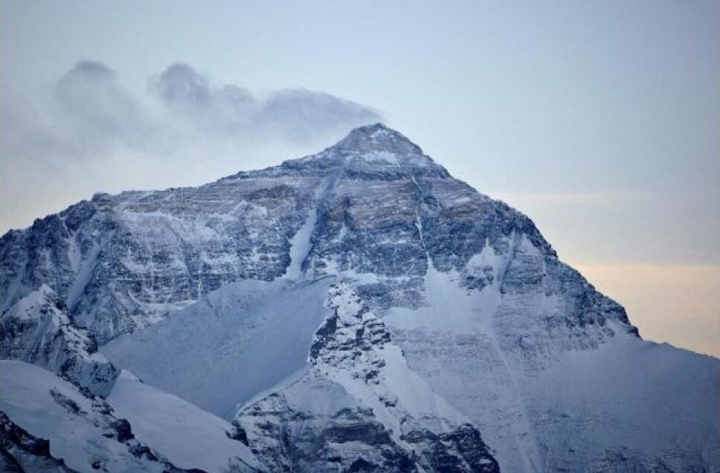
(27, 307)
(216, 260)
(77, 439)
(449, 307)
(459, 324)
(84, 275)
(347, 306)
(628, 395)
(242, 339)
(154, 312)
(411, 393)
(278, 386)
(177, 430)
(355, 368)
(300, 246)
(166, 227)
(183, 433)
(350, 275)
(383, 156)
(561, 412)
(74, 253)
(43, 334)
(502, 341)
(374, 146)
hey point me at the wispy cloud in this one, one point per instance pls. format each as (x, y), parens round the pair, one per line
(94, 111)
(88, 132)
(230, 110)
(89, 112)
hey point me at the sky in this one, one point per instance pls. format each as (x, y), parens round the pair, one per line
(598, 119)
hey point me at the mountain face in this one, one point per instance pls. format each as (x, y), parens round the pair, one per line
(354, 310)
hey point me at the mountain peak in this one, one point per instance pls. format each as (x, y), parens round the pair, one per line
(370, 149)
(377, 138)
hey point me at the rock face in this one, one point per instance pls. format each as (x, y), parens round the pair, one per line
(453, 338)
(49, 423)
(20, 451)
(37, 329)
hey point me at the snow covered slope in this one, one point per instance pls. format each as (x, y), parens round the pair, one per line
(82, 431)
(618, 404)
(37, 329)
(482, 345)
(186, 436)
(138, 428)
(627, 406)
(240, 340)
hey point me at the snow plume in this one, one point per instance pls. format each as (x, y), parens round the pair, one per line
(97, 111)
(90, 113)
(226, 109)
(88, 131)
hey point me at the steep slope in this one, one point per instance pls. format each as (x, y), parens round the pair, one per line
(37, 329)
(88, 433)
(215, 294)
(627, 406)
(178, 431)
(21, 451)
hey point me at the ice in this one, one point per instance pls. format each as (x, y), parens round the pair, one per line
(300, 246)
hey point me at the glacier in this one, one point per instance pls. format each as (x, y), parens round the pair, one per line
(355, 310)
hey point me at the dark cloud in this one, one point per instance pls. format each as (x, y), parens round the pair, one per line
(90, 113)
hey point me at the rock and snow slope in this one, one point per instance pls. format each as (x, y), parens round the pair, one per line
(360, 406)
(37, 329)
(164, 433)
(186, 436)
(480, 335)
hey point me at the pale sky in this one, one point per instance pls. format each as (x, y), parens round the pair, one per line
(598, 119)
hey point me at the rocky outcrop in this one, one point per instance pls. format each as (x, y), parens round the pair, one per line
(360, 408)
(21, 452)
(37, 329)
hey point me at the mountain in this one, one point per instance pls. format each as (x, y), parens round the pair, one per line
(355, 310)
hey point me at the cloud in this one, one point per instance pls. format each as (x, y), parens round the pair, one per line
(90, 113)
(297, 112)
(227, 109)
(96, 112)
(89, 132)
(182, 86)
